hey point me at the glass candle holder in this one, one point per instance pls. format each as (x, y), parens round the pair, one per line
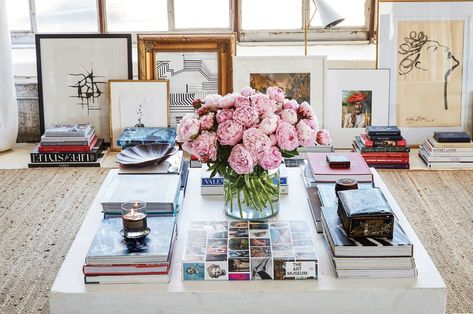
(134, 220)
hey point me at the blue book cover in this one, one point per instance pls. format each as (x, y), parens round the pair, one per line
(110, 247)
(383, 130)
(451, 137)
(134, 136)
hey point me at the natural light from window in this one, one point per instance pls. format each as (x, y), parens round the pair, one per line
(271, 14)
(67, 16)
(18, 12)
(202, 13)
(352, 10)
(137, 15)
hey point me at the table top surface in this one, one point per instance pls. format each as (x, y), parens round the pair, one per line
(293, 206)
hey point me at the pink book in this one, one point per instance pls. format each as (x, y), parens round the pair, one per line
(358, 170)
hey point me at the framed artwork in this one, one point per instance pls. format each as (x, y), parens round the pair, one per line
(73, 70)
(428, 48)
(355, 99)
(301, 77)
(195, 65)
(137, 103)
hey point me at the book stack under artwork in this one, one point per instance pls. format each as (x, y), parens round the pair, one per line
(383, 147)
(113, 259)
(64, 145)
(241, 250)
(447, 150)
(146, 135)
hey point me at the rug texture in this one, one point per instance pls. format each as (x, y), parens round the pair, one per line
(439, 206)
(42, 210)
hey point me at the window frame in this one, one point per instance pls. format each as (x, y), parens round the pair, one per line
(338, 34)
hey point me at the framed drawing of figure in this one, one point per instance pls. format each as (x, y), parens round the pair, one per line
(195, 65)
(428, 47)
(73, 70)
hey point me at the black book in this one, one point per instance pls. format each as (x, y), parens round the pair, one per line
(382, 138)
(383, 130)
(68, 157)
(452, 137)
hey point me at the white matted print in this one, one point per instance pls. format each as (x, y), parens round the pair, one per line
(137, 104)
(355, 99)
(73, 70)
(301, 77)
(428, 47)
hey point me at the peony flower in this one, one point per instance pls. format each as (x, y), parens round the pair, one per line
(290, 104)
(275, 93)
(305, 134)
(263, 104)
(289, 116)
(246, 116)
(273, 139)
(207, 121)
(247, 91)
(227, 101)
(224, 115)
(188, 147)
(271, 159)
(256, 142)
(242, 101)
(323, 137)
(305, 111)
(212, 101)
(188, 128)
(203, 110)
(313, 124)
(205, 146)
(197, 103)
(269, 124)
(229, 132)
(286, 135)
(240, 160)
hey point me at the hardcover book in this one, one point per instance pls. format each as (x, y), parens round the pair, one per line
(358, 170)
(383, 130)
(66, 157)
(359, 146)
(326, 193)
(111, 248)
(384, 143)
(241, 250)
(134, 136)
(68, 148)
(464, 146)
(343, 246)
(449, 137)
(66, 130)
(58, 139)
(365, 213)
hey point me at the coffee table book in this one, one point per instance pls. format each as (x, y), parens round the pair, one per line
(132, 136)
(240, 250)
(322, 172)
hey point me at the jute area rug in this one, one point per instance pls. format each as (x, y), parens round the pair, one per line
(42, 210)
(439, 206)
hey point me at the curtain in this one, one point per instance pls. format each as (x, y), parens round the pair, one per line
(8, 105)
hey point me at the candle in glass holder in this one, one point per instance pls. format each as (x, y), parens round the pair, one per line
(134, 219)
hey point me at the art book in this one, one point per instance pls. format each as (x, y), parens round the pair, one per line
(134, 136)
(323, 173)
(255, 250)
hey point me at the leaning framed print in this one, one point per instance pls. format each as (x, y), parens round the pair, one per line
(301, 77)
(196, 65)
(428, 47)
(73, 70)
(354, 100)
(137, 103)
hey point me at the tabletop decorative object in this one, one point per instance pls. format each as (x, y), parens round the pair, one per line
(134, 220)
(244, 137)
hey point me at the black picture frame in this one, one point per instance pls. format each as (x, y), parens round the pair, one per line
(63, 41)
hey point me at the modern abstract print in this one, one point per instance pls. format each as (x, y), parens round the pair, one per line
(295, 85)
(87, 88)
(191, 75)
(429, 73)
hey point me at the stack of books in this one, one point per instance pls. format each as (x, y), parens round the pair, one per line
(447, 150)
(113, 259)
(255, 250)
(383, 147)
(64, 145)
(367, 257)
(134, 136)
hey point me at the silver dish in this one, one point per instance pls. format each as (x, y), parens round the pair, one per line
(145, 154)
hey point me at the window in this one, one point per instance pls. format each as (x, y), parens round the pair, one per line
(271, 14)
(137, 15)
(66, 16)
(202, 14)
(18, 12)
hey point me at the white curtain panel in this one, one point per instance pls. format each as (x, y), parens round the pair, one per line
(8, 105)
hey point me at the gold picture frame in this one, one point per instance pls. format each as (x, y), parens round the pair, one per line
(180, 58)
(144, 100)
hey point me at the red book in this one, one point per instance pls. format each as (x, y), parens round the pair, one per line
(387, 143)
(358, 170)
(127, 269)
(68, 149)
(385, 155)
(387, 160)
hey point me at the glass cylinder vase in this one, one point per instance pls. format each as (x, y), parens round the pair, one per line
(252, 196)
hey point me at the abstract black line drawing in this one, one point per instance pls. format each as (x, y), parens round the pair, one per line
(415, 47)
(87, 89)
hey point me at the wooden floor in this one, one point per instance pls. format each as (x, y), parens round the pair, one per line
(19, 157)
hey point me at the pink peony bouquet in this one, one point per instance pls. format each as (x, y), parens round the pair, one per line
(248, 134)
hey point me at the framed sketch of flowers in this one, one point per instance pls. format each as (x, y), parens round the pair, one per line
(137, 103)
(428, 47)
(300, 77)
(355, 99)
(73, 70)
